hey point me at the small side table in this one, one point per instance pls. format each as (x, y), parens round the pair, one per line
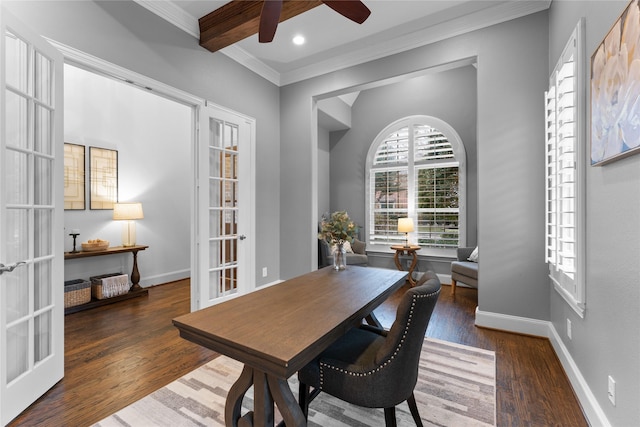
(410, 250)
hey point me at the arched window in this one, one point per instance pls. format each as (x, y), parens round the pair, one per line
(416, 169)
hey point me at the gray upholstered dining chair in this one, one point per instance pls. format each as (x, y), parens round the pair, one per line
(375, 368)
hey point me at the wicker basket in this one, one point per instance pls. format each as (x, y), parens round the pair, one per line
(76, 292)
(109, 285)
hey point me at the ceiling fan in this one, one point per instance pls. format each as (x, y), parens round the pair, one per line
(355, 10)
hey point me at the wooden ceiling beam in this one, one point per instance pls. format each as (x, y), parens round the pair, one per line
(240, 19)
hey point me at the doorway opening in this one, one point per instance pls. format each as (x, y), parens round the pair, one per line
(152, 136)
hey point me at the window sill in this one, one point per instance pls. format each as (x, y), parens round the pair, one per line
(578, 307)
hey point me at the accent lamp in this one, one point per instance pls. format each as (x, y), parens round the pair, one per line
(128, 212)
(405, 225)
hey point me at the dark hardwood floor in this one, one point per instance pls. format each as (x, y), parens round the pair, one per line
(119, 353)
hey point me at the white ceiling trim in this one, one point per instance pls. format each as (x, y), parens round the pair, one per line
(172, 13)
(243, 57)
(474, 21)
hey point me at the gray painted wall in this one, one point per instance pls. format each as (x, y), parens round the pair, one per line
(130, 36)
(324, 160)
(606, 342)
(512, 75)
(450, 96)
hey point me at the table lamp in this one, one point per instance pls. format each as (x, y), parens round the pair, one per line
(405, 225)
(128, 212)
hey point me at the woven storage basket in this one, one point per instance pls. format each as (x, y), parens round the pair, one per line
(76, 292)
(109, 285)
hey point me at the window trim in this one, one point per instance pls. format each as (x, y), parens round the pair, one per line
(573, 291)
(461, 157)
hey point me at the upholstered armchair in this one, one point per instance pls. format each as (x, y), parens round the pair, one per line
(376, 368)
(465, 268)
(357, 256)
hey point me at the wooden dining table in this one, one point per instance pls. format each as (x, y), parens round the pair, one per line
(277, 330)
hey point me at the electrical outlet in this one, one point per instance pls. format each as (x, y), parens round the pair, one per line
(264, 271)
(611, 390)
(569, 329)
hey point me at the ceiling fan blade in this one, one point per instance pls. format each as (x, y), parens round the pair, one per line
(352, 9)
(269, 19)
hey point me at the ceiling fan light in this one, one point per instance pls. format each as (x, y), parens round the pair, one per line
(298, 40)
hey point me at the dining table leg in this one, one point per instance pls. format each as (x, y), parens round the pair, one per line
(233, 405)
(267, 391)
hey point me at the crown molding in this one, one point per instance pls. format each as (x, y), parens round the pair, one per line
(243, 57)
(172, 13)
(502, 12)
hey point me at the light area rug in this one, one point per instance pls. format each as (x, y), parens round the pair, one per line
(456, 387)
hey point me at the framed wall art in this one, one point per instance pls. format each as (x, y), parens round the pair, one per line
(74, 183)
(103, 178)
(615, 91)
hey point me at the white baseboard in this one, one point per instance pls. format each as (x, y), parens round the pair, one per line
(159, 279)
(593, 411)
(505, 322)
(522, 325)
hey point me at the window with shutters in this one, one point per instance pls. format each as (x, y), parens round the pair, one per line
(415, 169)
(565, 168)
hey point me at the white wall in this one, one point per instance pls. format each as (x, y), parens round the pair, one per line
(153, 138)
(606, 341)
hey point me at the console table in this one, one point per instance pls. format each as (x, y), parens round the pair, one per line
(135, 291)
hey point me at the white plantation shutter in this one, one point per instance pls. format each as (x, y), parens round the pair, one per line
(565, 164)
(413, 171)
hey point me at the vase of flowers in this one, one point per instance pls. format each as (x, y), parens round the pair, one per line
(337, 230)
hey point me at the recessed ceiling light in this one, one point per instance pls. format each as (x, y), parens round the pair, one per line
(298, 40)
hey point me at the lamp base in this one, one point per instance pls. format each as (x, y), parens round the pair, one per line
(128, 234)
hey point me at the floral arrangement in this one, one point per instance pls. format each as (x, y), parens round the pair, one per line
(338, 228)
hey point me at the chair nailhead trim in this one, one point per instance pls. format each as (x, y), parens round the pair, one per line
(390, 359)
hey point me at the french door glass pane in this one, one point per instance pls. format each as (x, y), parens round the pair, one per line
(17, 239)
(42, 284)
(43, 223)
(16, 187)
(17, 285)
(43, 181)
(17, 349)
(214, 162)
(214, 282)
(43, 87)
(43, 130)
(16, 122)
(215, 193)
(17, 67)
(42, 336)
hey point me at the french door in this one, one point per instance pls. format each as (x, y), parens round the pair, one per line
(31, 222)
(224, 265)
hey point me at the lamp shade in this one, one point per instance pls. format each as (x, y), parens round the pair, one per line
(127, 211)
(405, 225)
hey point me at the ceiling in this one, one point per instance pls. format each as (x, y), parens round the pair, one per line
(334, 42)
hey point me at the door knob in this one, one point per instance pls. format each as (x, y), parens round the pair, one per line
(242, 237)
(9, 268)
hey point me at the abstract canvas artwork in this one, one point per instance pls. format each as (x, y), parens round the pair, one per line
(104, 177)
(615, 90)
